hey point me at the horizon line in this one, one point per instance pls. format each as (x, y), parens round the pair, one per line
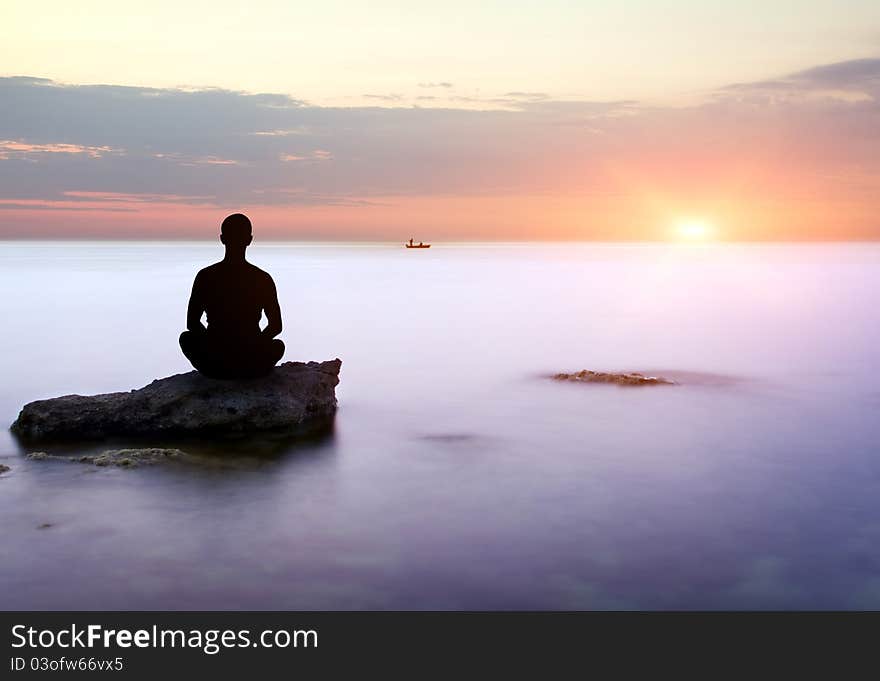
(184, 240)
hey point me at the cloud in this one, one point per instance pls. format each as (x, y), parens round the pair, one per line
(442, 84)
(857, 72)
(526, 95)
(207, 160)
(225, 145)
(302, 197)
(811, 136)
(280, 133)
(50, 206)
(164, 120)
(855, 80)
(117, 197)
(316, 155)
(22, 149)
(386, 98)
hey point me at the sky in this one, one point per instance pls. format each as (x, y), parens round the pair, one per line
(559, 120)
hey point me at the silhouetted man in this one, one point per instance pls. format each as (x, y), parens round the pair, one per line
(234, 294)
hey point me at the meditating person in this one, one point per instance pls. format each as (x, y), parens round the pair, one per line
(233, 294)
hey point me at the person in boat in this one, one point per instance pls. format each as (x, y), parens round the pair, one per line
(233, 294)
(410, 241)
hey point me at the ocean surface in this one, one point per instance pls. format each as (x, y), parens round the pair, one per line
(458, 475)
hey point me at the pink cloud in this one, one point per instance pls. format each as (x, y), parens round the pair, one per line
(11, 148)
(316, 155)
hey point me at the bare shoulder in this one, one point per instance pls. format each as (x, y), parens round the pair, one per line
(262, 275)
(209, 271)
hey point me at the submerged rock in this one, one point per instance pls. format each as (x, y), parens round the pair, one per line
(129, 458)
(295, 397)
(124, 458)
(630, 378)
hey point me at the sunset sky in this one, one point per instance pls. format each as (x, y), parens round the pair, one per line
(444, 121)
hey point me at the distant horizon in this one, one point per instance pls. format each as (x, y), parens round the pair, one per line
(257, 241)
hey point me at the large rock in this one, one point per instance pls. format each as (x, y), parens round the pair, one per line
(295, 397)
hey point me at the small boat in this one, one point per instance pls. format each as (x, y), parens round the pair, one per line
(410, 244)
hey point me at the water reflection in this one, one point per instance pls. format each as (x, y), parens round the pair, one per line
(215, 453)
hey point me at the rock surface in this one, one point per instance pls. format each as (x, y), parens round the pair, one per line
(295, 397)
(631, 378)
(124, 458)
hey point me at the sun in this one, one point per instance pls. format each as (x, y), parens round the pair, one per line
(693, 230)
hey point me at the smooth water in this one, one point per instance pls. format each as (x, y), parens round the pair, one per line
(458, 475)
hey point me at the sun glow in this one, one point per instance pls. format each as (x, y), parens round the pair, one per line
(693, 230)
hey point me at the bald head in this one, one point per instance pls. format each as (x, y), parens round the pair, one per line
(236, 231)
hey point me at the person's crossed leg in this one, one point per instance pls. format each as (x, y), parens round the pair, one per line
(224, 360)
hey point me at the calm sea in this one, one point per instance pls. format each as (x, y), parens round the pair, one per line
(458, 475)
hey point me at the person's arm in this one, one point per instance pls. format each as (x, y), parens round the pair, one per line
(272, 310)
(196, 307)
